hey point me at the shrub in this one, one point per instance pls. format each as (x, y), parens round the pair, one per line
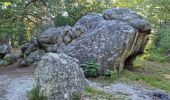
(76, 96)
(90, 68)
(154, 54)
(158, 44)
(111, 74)
(35, 94)
(60, 20)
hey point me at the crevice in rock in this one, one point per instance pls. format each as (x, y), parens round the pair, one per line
(128, 64)
(137, 49)
(145, 31)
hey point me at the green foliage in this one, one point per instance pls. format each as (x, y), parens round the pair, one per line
(76, 9)
(76, 96)
(159, 44)
(35, 94)
(155, 55)
(111, 74)
(164, 43)
(21, 19)
(91, 68)
(60, 20)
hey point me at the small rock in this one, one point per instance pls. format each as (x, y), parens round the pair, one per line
(4, 49)
(159, 95)
(3, 63)
(10, 58)
(23, 63)
(33, 57)
(24, 47)
(28, 48)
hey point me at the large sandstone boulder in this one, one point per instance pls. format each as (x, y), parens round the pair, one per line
(59, 77)
(113, 38)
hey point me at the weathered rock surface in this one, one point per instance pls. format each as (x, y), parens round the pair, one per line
(54, 38)
(3, 63)
(5, 57)
(10, 58)
(59, 77)
(4, 49)
(109, 44)
(33, 57)
(128, 16)
(167, 53)
(113, 38)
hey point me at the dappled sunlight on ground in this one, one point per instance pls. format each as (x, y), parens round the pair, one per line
(151, 74)
(167, 76)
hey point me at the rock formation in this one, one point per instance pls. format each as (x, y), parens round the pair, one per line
(4, 49)
(60, 77)
(6, 58)
(113, 38)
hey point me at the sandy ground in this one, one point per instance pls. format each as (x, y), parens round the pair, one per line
(15, 82)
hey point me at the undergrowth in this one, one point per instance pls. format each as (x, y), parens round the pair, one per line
(95, 94)
(149, 73)
(35, 94)
(146, 73)
(156, 56)
(91, 68)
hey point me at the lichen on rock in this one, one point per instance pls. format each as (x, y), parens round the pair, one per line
(60, 77)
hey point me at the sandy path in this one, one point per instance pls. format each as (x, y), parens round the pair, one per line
(15, 82)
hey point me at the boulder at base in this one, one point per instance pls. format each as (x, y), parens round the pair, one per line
(32, 58)
(10, 58)
(59, 77)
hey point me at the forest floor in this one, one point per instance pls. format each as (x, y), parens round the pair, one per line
(147, 73)
(15, 82)
(149, 81)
